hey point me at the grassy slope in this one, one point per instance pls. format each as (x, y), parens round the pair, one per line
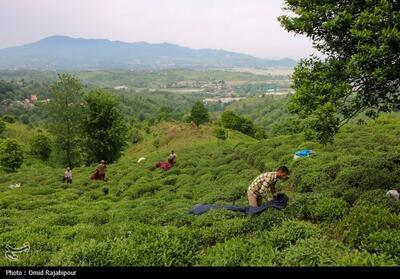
(139, 217)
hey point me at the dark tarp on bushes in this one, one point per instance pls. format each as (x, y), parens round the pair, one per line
(280, 202)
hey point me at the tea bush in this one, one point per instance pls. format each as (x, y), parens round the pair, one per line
(156, 247)
(350, 195)
(378, 198)
(384, 242)
(301, 207)
(357, 258)
(66, 220)
(98, 218)
(313, 252)
(239, 252)
(289, 232)
(266, 220)
(363, 221)
(139, 217)
(328, 209)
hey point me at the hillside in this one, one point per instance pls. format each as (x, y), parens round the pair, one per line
(61, 52)
(338, 213)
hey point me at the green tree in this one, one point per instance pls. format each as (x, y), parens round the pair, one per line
(2, 126)
(232, 121)
(8, 119)
(164, 114)
(220, 133)
(199, 114)
(360, 71)
(105, 129)
(41, 146)
(24, 119)
(65, 118)
(11, 155)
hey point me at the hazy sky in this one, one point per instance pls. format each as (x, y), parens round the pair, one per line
(247, 26)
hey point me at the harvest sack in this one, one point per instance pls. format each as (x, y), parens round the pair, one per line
(303, 153)
(394, 194)
(164, 165)
(95, 176)
(280, 202)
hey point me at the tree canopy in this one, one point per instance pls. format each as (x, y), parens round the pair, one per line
(104, 126)
(64, 117)
(199, 114)
(11, 155)
(360, 68)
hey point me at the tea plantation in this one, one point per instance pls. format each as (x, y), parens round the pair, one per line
(338, 212)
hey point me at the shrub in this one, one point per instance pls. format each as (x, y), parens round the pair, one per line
(105, 190)
(136, 136)
(259, 165)
(99, 218)
(351, 195)
(24, 119)
(222, 230)
(170, 181)
(357, 258)
(156, 143)
(156, 247)
(87, 253)
(365, 178)
(332, 170)
(239, 251)
(328, 209)
(266, 220)
(378, 198)
(11, 155)
(313, 252)
(220, 133)
(300, 207)
(66, 220)
(41, 146)
(290, 232)
(384, 242)
(140, 190)
(8, 119)
(363, 221)
(2, 126)
(310, 181)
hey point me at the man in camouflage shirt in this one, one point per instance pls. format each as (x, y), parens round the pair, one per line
(264, 182)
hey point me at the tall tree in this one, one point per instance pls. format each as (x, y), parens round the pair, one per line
(360, 71)
(105, 129)
(65, 118)
(41, 146)
(199, 114)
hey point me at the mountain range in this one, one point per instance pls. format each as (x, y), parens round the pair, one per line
(62, 52)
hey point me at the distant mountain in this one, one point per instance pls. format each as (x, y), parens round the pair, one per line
(61, 52)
